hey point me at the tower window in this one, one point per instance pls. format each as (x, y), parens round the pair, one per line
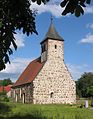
(51, 95)
(55, 46)
(43, 48)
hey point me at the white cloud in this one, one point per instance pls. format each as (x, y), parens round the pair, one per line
(78, 70)
(12, 76)
(54, 9)
(90, 25)
(75, 72)
(88, 9)
(88, 39)
(14, 69)
(17, 65)
(20, 40)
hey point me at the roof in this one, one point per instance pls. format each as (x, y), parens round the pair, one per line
(6, 88)
(52, 34)
(30, 72)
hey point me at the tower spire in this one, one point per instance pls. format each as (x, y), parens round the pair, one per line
(51, 19)
(52, 33)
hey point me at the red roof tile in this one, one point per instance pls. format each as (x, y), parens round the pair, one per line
(6, 88)
(29, 73)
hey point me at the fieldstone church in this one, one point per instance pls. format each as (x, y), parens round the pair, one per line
(46, 80)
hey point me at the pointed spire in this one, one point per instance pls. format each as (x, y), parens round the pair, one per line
(52, 33)
(51, 19)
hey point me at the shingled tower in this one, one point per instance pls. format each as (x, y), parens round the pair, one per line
(46, 80)
(46, 47)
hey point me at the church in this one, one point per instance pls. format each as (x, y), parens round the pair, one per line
(46, 80)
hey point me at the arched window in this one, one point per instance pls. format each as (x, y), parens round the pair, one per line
(51, 95)
(55, 46)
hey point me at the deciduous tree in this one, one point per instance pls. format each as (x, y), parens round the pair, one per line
(14, 15)
(84, 85)
(74, 6)
(5, 82)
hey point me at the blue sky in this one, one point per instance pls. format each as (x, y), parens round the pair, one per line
(78, 44)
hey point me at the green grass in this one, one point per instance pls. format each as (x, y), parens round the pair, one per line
(30, 111)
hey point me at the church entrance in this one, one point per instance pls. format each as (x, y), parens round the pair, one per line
(52, 97)
(23, 97)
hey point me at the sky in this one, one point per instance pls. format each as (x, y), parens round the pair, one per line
(76, 32)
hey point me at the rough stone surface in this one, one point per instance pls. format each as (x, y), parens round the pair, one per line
(21, 92)
(54, 83)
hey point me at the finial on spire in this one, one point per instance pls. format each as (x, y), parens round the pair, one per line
(51, 18)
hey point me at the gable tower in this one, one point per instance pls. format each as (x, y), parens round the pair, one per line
(52, 45)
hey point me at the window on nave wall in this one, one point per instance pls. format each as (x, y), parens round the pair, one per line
(51, 95)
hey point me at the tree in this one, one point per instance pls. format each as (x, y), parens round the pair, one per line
(17, 15)
(71, 6)
(74, 6)
(90, 91)
(14, 15)
(84, 85)
(5, 82)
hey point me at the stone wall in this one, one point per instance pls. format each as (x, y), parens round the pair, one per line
(54, 83)
(23, 93)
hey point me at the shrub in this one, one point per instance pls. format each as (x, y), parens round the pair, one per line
(3, 93)
(6, 99)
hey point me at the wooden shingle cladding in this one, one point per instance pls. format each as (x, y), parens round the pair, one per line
(52, 34)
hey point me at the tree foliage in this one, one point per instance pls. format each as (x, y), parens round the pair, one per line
(71, 6)
(14, 14)
(84, 85)
(5, 82)
(17, 15)
(74, 6)
(89, 91)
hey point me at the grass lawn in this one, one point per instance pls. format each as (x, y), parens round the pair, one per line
(30, 111)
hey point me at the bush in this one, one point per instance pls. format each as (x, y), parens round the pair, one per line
(6, 99)
(3, 93)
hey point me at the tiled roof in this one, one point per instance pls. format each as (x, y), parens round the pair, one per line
(52, 34)
(6, 88)
(30, 72)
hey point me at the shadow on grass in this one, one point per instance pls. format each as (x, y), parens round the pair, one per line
(24, 117)
(34, 115)
(5, 113)
(37, 117)
(4, 108)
